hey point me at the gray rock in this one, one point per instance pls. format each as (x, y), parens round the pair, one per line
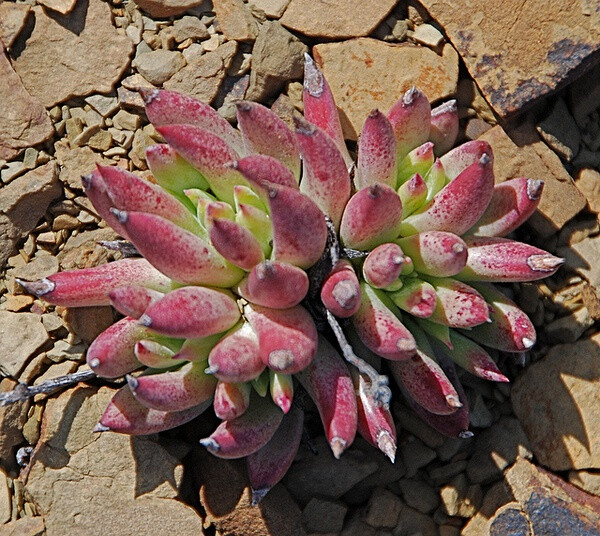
(584, 258)
(419, 495)
(168, 8)
(323, 516)
(560, 131)
(322, 475)
(415, 455)
(23, 202)
(73, 55)
(383, 509)
(273, 9)
(277, 57)
(21, 336)
(159, 65)
(189, 28)
(571, 327)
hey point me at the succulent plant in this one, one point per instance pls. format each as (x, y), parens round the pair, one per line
(266, 260)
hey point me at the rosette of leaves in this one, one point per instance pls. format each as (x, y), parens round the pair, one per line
(265, 259)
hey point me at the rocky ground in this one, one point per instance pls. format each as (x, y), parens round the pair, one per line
(69, 69)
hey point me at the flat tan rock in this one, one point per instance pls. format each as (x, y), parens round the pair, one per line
(335, 19)
(91, 484)
(12, 20)
(521, 153)
(201, 78)
(23, 120)
(366, 74)
(25, 526)
(235, 20)
(168, 8)
(23, 202)
(557, 401)
(519, 51)
(62, 6)
(73, 55)
(21, 336)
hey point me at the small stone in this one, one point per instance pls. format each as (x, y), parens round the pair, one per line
(429, 36)
(63, 350)
(61, 59)
(12, 170)
(22, 203)
(12, 20)
(277, 57)
(23, 119)
(193, 52)
(479, 415)
(383, 509)
(30, 158)
(560, 131)
(202, 78)
(366, 74)
(591, 300)
(189, 28)
(273, 9)
(65, 221)
(235, 20)
(323, 516)
(17, 303)
(412, 523)
(126, 121)
(21, 336)
(100, 140)
(415, 455)
(563, 385)
(74, 128)
(588, 183)
(54, 324)
(212, 43)
(443, 473)
(521, 153)
(159, 65)
(169, 8)
(337, 19)
(31, 429)
(419, 495)
(104, 105)
(134, 33)
(460, 499)
(355, 526)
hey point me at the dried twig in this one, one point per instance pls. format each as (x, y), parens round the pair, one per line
(23, 392)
